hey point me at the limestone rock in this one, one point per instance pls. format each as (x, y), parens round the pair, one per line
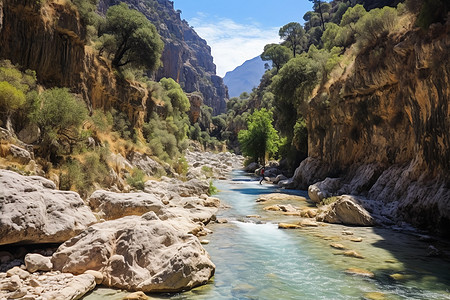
(75, 289)
(360, 272)
(110, 205)
(288, 226)
(12, 284)
(19, 272)
(338, 246)
(137, 296)
(353, 253)
(251, 168)
(347, 211)
(31, 211)
(168, 188)
(36, 262)
(137, 254)
(20, 154)
(30, 134)
(323, 189)
(97, 275)
(146, 164)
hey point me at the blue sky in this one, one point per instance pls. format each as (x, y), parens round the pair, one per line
(238, 30)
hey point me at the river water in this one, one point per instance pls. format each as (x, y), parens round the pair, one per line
(256, 260)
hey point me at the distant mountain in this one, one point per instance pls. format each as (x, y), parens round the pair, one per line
(245, 77)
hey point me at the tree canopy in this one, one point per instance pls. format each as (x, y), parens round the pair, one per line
(131, 38)
(278, 54)
(261, 138)
(294, 35)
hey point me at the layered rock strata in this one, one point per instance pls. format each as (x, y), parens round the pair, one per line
(385, 128)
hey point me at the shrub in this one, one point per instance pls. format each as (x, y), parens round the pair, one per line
(212, 190)
(136, 179)
(373, 25)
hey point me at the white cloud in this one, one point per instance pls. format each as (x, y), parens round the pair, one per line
(233, 43)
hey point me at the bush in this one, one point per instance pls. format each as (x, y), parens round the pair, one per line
(136, 179)
(373, 25)
(212, 190)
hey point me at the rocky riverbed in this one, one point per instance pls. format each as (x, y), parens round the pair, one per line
(138, 241)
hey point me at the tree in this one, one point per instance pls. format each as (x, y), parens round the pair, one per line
(11, 99)
(17, 95)
(260, 138)
(136, 43)
(279, 55)
(318, 6)
(293, 34)
(60, 118)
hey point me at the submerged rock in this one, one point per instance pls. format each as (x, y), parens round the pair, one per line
(360, 272)
(137, 254)
(32, 211)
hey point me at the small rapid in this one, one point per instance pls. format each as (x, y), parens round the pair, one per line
(256, 260)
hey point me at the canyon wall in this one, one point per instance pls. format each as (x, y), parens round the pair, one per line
(186, 57)
(384, 128)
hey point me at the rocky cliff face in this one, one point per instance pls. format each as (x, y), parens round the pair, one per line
(385, 128)
(186, 57)
(51, 40)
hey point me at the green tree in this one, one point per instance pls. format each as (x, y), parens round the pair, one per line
(17, 96)
(278, 54)
(260, 138)
(60, 118)
(137, 42)
(11, 99)
(294, 36)
(318, 7)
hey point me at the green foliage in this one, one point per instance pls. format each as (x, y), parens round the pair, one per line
(278, 54)
(261, 138)
(18, 96)
(373, 25)
(300, 139)
(212, 190)
(61, 116)
(137, 179)
(352, 15)
(166, 133)
(81, 176)
(103, 122)
(207, 171)
(294, 36)
(136, 41)
(296, 80)
(328, 201)
(181, 166)
(11, 99)
(122, 125)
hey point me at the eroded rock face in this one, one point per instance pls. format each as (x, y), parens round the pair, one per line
(32, 211)
(137, 254)
(386, 131)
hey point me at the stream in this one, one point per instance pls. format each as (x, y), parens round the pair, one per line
(256, 260)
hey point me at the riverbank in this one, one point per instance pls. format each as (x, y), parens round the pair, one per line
(256, 260)
(138, 241)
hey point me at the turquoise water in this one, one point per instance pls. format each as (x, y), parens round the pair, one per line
(256, 260)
